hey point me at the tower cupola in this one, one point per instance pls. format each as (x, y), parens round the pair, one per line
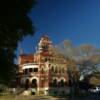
(45, 44)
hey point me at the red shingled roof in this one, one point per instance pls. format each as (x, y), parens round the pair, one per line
(26, 58)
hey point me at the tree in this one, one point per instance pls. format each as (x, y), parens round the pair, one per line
(86, 50)
(87, 67)
(95, 78)
(73, 75)
(14, 25)
(66, 48)
(90, 81)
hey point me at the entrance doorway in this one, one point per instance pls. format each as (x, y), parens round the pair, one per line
(34, 86)
(27, 84)
(34, 83)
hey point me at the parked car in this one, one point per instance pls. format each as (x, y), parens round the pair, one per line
(95, 90)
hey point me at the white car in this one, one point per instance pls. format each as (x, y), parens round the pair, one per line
(95, 90)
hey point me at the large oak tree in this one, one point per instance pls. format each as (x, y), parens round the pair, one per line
(14, 25)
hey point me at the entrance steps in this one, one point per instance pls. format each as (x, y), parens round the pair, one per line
(26, 92)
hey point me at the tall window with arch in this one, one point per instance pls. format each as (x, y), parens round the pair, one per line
(62, 83)
(55, 83)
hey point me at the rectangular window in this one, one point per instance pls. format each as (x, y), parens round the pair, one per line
(30, 69)
(26, 71)
(35, 69)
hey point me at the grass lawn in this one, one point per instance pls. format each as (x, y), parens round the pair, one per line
(7, 97)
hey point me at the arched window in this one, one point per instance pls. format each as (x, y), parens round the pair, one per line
(34, 83)
(56, 69)
(52, 68)
(59, 70)
(55, 83)
(63, 70)
(27, 84)
(61, 83)
(42, 70)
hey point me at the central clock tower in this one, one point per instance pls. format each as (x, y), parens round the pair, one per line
(45, 44)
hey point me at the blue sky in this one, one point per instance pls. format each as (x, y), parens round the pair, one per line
(75, 20)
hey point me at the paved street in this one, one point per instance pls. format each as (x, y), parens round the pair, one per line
(20, 97)
(38, 98)
(92, 97)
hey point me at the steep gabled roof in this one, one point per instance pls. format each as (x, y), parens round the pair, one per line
(26, 58)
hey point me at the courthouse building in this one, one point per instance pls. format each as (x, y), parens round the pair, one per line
(45, 71)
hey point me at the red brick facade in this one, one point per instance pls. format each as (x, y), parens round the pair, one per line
(45, 71)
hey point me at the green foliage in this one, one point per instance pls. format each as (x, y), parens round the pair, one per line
(14, 25)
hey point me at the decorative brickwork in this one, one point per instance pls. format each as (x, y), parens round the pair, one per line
(45, 71)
